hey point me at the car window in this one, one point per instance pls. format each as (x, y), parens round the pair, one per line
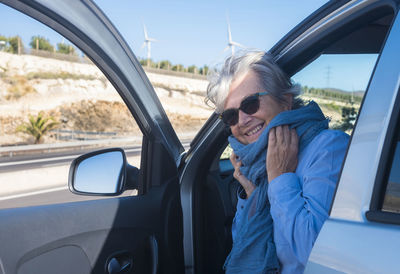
(326, 81)
(391, 201)
(181, 92)
(338, 75)
(55, 105)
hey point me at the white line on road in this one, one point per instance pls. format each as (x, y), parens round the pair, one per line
(70, 157)
(33, 193)
(38, 160)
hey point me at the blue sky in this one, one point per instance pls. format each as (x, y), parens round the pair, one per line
(195, 32)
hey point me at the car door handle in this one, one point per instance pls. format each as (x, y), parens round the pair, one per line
(119, 264)
(154, 254)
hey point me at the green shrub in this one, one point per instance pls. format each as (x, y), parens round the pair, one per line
(38, 126)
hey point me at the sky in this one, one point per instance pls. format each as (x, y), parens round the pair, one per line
(195, 32)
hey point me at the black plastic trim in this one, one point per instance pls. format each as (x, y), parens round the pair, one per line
(383, 217)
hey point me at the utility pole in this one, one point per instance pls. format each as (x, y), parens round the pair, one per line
(352, 95)
(19, 45)
(328, 76)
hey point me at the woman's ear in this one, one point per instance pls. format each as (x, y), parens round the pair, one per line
(288, 98)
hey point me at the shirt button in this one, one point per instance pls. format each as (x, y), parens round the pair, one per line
(241, 207)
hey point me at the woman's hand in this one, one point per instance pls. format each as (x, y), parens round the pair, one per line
(283, 147)
(246, 184)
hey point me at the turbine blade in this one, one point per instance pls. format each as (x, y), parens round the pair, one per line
(229, 33)
(225, 49)
(229, 28)
(238, 45)
(145, 32)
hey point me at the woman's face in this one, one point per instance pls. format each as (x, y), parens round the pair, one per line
(250, 127)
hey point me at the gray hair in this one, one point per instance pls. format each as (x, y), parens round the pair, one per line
(272, 78)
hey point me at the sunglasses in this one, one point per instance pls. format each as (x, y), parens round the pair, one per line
(249, 105)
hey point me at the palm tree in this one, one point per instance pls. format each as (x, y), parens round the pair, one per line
(38, 126)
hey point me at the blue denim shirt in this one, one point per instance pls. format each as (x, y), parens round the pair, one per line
(300, 201)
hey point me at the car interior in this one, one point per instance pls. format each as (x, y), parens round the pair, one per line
(216, 196)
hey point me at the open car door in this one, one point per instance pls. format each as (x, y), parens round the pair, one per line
(133, 234)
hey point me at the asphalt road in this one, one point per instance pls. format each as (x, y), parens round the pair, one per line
(52, 194)
(33, 162)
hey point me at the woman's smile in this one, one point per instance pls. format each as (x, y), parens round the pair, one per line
(254, 131)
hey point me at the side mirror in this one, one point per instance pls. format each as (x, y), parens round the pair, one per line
(100, 172)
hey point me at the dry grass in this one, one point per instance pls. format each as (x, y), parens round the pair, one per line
(19, 87)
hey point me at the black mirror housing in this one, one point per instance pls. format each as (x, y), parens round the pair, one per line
(102, 173)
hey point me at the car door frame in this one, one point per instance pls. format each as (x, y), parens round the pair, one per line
(156, 212)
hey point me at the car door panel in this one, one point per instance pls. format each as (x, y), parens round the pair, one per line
(83, 236)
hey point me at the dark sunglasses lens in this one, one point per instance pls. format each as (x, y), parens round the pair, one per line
(230, 117)
(250, 105)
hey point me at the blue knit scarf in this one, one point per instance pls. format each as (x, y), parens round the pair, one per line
(253, 249)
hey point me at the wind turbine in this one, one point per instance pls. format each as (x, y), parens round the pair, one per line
(147, 43)
(231, 44)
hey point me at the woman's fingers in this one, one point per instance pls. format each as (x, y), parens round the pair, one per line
(286, 134)
(233, 159)
(246, 184)
(279, 135)
(272, 136)
(294, 141)
(282, 151)
(236, 165)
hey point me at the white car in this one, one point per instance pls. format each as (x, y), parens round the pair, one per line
(180, 221)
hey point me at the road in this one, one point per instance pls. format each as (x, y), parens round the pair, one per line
(49, 196)
(30, 181)
(54, 159)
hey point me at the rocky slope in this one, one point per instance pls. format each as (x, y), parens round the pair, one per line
(80, 98)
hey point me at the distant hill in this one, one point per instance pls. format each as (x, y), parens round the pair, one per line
(334, 94)
(355, 93)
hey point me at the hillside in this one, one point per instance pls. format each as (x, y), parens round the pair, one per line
(81, 98)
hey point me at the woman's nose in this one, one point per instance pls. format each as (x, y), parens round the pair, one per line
(244, 118)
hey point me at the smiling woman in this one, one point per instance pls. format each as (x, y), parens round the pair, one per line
(285, 158)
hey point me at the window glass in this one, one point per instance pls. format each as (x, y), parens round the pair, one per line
(337, 82)
(182, 95)
(54, 106)
(391, 202)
